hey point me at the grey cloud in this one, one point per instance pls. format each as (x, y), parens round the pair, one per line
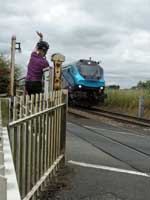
(130, 14)
(115, 32)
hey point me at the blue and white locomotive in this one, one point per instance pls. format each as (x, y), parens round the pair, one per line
(85, 82)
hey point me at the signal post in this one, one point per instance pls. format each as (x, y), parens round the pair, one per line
(57, 59)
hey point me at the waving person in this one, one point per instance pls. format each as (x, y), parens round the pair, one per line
(35, 67)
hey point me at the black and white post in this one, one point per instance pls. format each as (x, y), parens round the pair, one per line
(141, 106)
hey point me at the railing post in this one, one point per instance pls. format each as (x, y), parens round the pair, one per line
(63, 129)
(3, 188)
(141, 106)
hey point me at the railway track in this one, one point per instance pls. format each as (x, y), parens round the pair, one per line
(96, 113)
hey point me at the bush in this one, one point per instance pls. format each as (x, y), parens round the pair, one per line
(5, 74)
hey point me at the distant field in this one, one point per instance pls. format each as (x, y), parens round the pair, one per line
(127, 101)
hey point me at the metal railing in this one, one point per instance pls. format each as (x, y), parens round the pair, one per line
(37, 135)
(47, 82)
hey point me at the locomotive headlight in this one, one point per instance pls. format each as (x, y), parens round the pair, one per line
(80, 86)
(101, 88)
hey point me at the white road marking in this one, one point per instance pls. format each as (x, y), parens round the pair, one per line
(82, 164)
(125, 133)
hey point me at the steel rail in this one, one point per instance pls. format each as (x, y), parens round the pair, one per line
(122, 115)
(93, 112)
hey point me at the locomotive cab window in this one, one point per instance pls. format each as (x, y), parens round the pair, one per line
(90, 70)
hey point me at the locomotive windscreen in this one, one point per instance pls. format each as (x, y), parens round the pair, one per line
(89, 69)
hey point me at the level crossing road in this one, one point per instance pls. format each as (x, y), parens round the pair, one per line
(109, 162)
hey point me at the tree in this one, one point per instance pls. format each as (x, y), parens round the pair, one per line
(144, 85)
(5, 74)
(116, 87)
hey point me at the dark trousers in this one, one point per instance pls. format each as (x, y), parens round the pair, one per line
(33, 87)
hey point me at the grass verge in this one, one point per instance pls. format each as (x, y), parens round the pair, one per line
(127, 101)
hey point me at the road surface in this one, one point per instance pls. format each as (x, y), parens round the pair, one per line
(108, 162)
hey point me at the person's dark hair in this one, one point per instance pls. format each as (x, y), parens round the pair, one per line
(43, 46)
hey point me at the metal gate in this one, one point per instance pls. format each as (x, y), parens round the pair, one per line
(37, 134)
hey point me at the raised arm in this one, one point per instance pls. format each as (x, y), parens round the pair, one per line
(40, 39)
(40, 35)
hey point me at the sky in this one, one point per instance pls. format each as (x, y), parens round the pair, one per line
(117, 33)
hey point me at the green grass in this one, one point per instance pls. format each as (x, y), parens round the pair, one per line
(5, 110)
(127, 101)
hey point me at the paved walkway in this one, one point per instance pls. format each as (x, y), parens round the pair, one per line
(12, 186)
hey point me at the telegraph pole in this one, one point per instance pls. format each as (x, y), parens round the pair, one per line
(12, 63)
(12, 72)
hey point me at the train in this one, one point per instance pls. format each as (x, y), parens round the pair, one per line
(85, 82)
